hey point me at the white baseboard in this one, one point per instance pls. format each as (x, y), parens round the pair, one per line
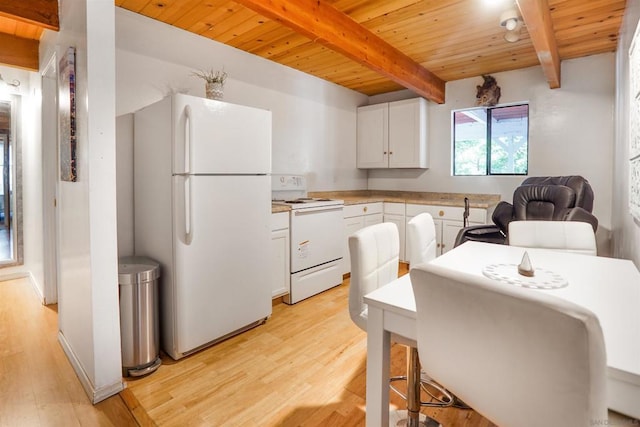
(18, 275)
(95, 395)
(35, 286)
(23, 275)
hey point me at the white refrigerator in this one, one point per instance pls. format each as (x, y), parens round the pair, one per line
(202, 203)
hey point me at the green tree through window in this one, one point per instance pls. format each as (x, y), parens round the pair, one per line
(491, 141)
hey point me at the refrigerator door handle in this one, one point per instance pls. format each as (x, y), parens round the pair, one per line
(188, 137)
(188, 223)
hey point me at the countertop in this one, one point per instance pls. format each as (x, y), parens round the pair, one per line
(279, 208)
(482, 201)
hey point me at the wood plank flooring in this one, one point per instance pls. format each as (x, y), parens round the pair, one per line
(304, 367)
(38, 386)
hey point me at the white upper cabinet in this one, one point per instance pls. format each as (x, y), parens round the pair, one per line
(393, 135)
(408, 134)
(373, 136)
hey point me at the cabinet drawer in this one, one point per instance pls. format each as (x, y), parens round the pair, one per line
(448, 212)
(362, 209)
(279, 221)
(394, 208)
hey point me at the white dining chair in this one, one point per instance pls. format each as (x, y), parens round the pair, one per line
(568, 236)
(375, 252)
(421, 239)
(519, 357)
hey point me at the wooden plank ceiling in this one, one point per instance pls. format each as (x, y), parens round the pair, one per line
(453, 39)
(421, 40)
(21, 25)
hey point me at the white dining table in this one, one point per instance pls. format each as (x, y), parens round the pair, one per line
(607, 286)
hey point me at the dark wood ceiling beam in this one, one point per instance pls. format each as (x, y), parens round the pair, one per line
(43, 13)
(537, 18)
(324, 24)
(19, 52)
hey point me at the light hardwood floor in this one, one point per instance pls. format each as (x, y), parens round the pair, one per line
(304, 367)
(38, 386)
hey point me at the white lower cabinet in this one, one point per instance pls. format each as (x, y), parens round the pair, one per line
(448, 221)
(280, 271)
(450, 229)
(394, 212)
(355, 218)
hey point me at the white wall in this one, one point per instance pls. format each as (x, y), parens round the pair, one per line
(626, 231)
(32, 183)
(314, 121)
(570, 132)
(88, 305)
(124, 183)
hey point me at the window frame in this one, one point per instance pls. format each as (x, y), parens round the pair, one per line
(488, 138)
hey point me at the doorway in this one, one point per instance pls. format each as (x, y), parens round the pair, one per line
(11, 244)
(6, 204)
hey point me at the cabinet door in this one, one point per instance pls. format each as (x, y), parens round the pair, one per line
(280, 274)
(372, 219)
(400, 222)
(372, 136)
(408, 134)
(438, 225)
(450, 231)
(351, 225)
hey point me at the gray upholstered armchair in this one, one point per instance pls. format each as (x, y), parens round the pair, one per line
(557, 198)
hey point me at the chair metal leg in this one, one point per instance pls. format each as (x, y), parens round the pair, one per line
(413, 387)
(413, 397)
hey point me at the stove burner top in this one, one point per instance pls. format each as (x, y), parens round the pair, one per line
(306, 200)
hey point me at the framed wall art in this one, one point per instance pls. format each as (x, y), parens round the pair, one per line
(67, 115)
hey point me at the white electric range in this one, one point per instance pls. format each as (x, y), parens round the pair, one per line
(316, 227)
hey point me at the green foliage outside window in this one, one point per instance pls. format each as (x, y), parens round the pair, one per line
(507, 129)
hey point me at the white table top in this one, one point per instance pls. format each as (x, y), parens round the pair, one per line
(394, 297)
(609, 287)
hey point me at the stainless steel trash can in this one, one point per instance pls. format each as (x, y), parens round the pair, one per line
(139, 334)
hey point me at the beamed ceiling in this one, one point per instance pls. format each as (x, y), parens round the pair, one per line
(371, 46)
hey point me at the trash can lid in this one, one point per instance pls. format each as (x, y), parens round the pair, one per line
(137, 269)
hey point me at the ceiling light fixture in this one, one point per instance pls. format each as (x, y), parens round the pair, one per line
(15, 82)
(511, 22)
(512, 36)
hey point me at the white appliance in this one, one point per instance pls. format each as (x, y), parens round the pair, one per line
(202, 209)
(316, 227)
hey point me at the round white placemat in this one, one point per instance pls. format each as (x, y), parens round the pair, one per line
(508, 273)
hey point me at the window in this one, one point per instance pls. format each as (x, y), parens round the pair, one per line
(491, 141)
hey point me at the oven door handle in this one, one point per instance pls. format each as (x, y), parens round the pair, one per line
(319, 209)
